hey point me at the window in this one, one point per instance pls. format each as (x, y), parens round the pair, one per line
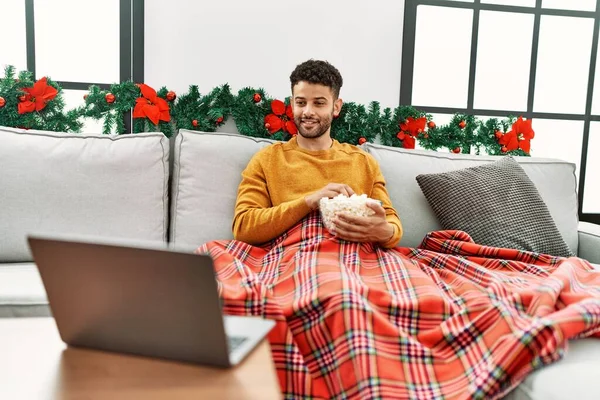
(535, 58)
(88, 33)
(13, 50)
(95, 44)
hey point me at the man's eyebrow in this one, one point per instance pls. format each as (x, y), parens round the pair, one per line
(316, 98)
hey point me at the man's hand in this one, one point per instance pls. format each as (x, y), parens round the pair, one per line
(329, 191)
(374, 228)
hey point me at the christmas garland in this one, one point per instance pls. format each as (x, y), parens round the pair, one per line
(39, 105)
(34, 105)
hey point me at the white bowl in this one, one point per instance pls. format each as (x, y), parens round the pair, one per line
(353, 205)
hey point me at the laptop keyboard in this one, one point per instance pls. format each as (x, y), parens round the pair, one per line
(235, 341)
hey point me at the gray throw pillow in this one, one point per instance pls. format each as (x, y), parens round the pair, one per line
(497, 204)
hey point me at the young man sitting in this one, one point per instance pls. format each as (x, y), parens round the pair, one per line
(285, 181)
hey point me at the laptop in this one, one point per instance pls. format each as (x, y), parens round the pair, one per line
(147, 300)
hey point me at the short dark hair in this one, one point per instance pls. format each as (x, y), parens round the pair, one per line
(317, 71)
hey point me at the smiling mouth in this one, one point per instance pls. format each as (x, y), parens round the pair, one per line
(309, 123)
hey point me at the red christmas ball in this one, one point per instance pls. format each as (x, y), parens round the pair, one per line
(362, 140)
(171, 95)
(2, 102)
(267, 125)
(110, 98)
(426, 136)
(498, 134)
(462, 124)
(504, 149)
(431, 125)
(456, 150)
(219, 120)
(85, 96)
(257, 98)
(195, 123)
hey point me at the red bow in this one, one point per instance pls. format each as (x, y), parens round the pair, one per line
(37, 96)
(519, 136)
(281, 118)
(151, 106)
(409, 130)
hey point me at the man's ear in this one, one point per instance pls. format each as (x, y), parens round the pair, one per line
(337, 107)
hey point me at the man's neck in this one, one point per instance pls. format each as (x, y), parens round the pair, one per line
(323, 142)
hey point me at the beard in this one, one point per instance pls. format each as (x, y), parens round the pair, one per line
(316, 129)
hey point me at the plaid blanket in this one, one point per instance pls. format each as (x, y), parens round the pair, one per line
(448, 320)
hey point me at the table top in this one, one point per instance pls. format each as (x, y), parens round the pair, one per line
(36, 364)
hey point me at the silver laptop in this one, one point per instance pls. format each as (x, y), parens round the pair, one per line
(142, 300)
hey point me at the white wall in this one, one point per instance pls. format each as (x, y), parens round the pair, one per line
(258, 43)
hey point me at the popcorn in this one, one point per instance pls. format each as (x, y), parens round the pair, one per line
(354, 205)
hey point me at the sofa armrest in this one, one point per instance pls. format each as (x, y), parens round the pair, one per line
(589, 242)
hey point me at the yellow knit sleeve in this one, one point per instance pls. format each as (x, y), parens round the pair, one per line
(256, 220)
(379, 192)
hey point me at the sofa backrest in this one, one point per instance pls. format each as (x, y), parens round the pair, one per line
(208, 166)
(100, 185)
(207, 169)
(117, 186)
(554, 179)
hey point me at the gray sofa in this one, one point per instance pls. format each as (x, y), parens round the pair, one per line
(122, 186)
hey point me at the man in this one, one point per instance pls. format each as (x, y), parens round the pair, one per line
(285, 181)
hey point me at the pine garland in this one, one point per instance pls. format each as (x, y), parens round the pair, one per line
(249, 110)
(110, 105)
(458, 136)
(489, 132)
(392, 127)
(351, 125)
(253, 109)
(202, 113)
(52, 117)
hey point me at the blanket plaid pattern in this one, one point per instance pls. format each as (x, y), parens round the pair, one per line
(448, 320)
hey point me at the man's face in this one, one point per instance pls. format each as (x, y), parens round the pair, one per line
(314, 109)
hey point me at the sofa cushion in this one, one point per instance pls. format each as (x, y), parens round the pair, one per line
(101, 185)
(22, 292)
(207, 171)
(496, 204)
(554, 179)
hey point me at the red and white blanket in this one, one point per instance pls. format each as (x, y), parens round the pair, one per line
(448, 320)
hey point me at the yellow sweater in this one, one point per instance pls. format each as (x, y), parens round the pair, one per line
(271, 195)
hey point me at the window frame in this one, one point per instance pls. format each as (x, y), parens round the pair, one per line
(408, 58)
(131, 48)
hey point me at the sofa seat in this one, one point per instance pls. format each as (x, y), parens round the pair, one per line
(22, 293)
(576, 376)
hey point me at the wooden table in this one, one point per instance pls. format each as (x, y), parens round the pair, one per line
(36, 364)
